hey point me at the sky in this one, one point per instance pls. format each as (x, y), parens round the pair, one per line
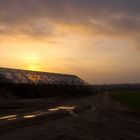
(98, 40)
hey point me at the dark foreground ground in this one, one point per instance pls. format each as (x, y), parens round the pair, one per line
(97, 117)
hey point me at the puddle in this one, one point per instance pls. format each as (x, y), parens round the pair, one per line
(69, 109)
(12, 119)
(8, 117)
(29, 116)
(66, 108)
(24, 116)
(35, 114)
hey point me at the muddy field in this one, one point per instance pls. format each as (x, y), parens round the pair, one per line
(97, 117)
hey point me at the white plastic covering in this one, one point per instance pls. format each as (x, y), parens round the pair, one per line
(31, 77)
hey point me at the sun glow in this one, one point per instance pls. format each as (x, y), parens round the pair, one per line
(34, 68)
(33, 62)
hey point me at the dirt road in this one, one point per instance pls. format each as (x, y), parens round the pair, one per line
(91, 118)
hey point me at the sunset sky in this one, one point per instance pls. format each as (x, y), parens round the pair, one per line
(98, 40)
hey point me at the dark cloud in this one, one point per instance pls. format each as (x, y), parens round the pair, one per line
(33, 17)
(10, 10)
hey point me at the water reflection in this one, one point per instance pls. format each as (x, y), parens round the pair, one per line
(7, 117)
(66, 108)
(12, 119)
(29, 116)
(69, 109)
(23, 116)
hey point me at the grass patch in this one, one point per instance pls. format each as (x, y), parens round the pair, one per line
(130, 98)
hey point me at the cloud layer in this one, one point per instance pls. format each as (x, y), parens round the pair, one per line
(39, 18)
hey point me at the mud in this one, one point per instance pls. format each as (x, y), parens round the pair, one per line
(96, 117)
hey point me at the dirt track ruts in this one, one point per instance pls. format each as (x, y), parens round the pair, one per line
(97, 117)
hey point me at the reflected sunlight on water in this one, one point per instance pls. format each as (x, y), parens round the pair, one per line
(39, 113)
(66, 108)
(29, 116)
(8, 117)
(12, 119)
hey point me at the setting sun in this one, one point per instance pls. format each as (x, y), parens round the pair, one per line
(33, 68)
(33, 61)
